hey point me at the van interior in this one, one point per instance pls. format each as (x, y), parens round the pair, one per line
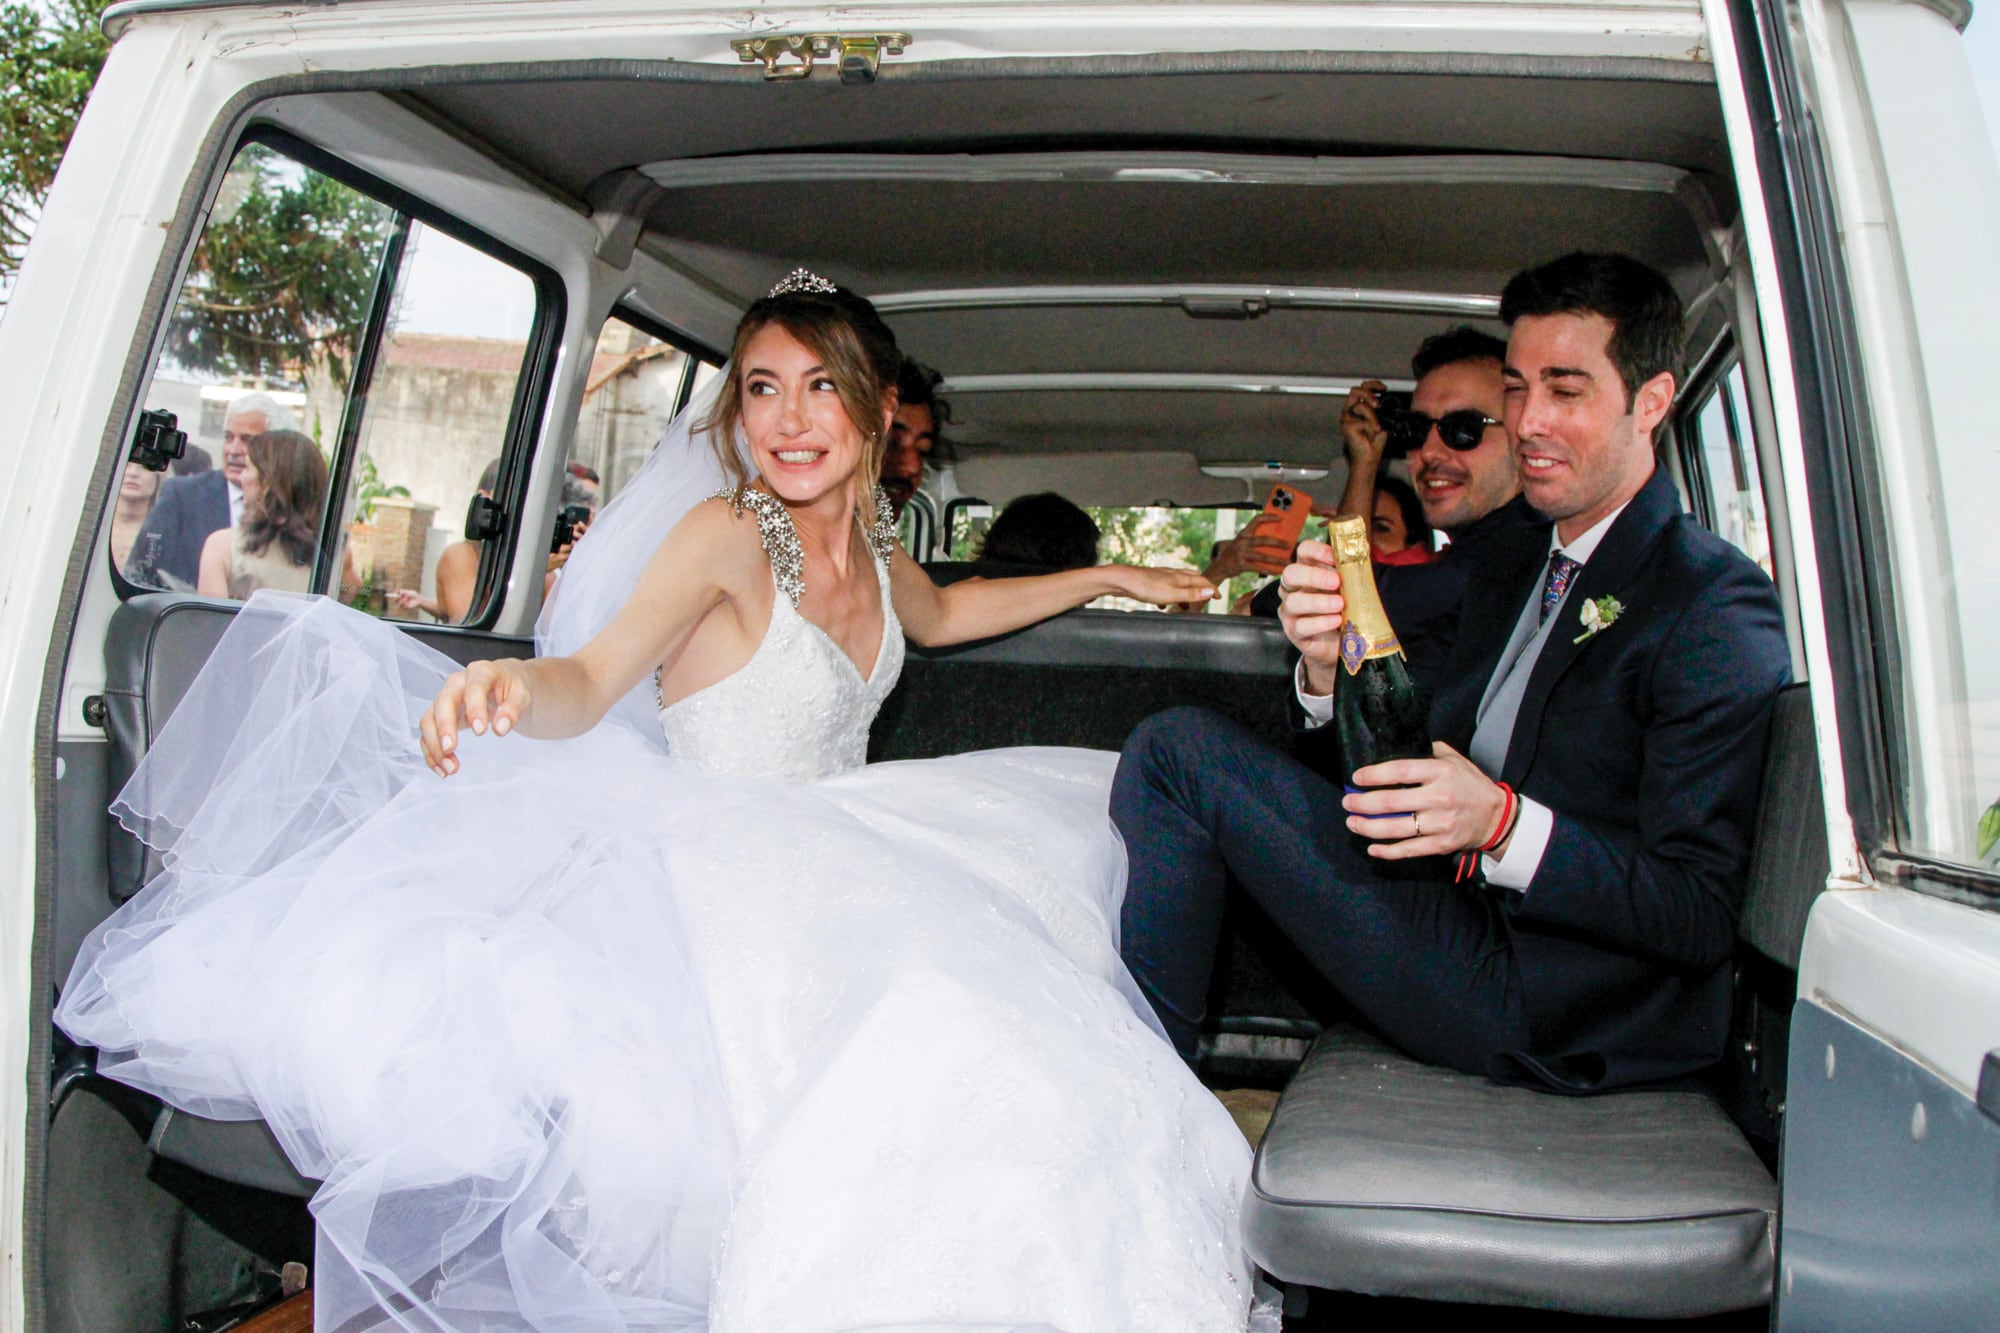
(1148, 283)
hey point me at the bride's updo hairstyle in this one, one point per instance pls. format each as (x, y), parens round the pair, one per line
(848, 337)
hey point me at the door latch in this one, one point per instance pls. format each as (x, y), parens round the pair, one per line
(795, 55)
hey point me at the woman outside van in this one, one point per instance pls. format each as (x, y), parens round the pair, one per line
(1398, 533)
(137, 490)
(273, 545)
(457, 576)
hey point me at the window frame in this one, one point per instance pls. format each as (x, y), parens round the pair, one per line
(925, 524)
(698, 352)
(532, 386)
(1845, 485)
(953, 507)
(1708, 381)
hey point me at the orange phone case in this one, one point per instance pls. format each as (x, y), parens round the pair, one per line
(1289, 508)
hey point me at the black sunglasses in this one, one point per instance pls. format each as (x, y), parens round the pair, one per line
(1460, 430)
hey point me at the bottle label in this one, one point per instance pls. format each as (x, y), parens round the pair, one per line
(1358, 644)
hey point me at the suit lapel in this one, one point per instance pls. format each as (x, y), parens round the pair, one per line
(218, 507)
(1610, 570)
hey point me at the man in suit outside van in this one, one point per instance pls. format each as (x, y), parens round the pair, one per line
(167, 551)
(1615, 668)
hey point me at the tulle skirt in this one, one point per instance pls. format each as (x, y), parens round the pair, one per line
(583, 1038)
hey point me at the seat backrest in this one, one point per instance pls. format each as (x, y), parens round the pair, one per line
(1084, 678)
(1788, 859)
(156, 645)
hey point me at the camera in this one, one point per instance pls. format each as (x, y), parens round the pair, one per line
(568, 521)
(158, 440)
(1390, 404)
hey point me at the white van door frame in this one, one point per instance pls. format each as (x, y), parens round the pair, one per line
(173, 82)
(1874, 256)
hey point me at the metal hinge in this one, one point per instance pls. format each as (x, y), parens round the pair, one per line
(793, 55)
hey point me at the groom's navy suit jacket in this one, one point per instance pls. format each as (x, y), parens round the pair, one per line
(1646, 740)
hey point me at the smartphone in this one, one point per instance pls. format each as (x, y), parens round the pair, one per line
(1288, 508)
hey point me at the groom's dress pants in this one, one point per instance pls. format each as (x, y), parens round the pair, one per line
(1425, 961)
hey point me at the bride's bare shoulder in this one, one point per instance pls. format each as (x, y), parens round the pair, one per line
(717, 523)
(719, 537)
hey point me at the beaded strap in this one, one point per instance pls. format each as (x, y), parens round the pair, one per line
(882, 532)
(780, 538)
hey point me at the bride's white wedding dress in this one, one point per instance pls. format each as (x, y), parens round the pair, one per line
(747, 1036)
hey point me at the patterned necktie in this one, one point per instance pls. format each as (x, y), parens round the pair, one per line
(1562, 572)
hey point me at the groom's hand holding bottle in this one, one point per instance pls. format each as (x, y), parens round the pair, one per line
(1441, 806)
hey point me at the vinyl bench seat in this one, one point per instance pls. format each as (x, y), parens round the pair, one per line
(1386, 1176)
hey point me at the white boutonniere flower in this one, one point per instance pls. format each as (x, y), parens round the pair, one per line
(1599, 615)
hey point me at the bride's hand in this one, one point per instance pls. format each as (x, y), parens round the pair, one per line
(1163, 587)
(485, 694)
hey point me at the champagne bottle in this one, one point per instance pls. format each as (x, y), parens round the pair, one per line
(1375, 705)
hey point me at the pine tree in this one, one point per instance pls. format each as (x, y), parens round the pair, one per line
(50, 54)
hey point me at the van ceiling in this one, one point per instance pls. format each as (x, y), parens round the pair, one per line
(887, 236)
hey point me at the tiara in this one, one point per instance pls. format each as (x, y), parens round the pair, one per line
(803, 280)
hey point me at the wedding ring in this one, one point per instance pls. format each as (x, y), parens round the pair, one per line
(1416, 824)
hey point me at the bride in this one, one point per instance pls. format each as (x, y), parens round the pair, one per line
(669, 1012)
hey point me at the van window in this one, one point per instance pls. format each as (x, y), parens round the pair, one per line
(638, 382)
(1719, 461)
(1183, 536)
(371, 360)
(1946, 820)
(916, 526)
(260, 342)
(432, 426)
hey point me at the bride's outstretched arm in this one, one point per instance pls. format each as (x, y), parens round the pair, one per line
(703, 560)
(981, 608)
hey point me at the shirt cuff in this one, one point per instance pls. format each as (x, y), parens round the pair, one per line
(1319, 707)
(1516, 869)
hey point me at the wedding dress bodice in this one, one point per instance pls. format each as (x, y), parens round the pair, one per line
(799, 709)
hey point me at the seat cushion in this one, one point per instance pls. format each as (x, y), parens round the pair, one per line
(1383, 1175)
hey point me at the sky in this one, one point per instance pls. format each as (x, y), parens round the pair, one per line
(449, 287)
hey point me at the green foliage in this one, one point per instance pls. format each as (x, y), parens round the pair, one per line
(1147, 535)
(1150, 536)
(49, 57)
(1181, 537)
(282, 277)
(369, 487)
(1989, 830)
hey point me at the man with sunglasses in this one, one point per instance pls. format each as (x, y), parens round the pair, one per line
(1551, 897)
(1462, 461)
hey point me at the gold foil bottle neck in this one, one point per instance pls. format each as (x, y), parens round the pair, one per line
(1367, 632)
(1349, 539)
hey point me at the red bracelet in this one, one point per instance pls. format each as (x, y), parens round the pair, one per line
(1510, 811)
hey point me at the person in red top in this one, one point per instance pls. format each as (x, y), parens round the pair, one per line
(1397, 533)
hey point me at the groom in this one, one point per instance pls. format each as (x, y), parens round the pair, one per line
(1616, 669)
